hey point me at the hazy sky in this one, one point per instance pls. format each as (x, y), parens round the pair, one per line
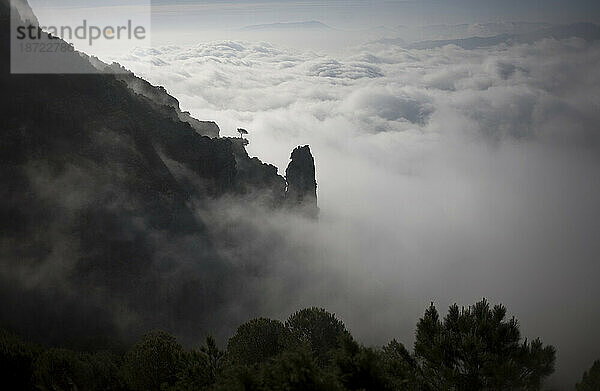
(365, 14)
(352, 21)
(354, 13)
(416, 11)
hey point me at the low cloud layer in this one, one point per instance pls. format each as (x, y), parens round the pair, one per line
(444, 175)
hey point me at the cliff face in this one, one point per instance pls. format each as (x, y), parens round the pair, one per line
(162, 101)
(105, 201)
(301, 191)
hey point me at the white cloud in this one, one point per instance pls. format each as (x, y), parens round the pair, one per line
(333, 68)
(443, 174)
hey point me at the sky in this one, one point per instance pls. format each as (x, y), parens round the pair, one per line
(349, 13)
(348, 21)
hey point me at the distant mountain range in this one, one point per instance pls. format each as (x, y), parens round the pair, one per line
(587, 31)
(306, 25)
(465, 30)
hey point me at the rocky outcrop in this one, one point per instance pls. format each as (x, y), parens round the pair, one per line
(257, 181)
(301, 193)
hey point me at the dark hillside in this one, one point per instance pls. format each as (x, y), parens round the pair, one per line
(103, 203)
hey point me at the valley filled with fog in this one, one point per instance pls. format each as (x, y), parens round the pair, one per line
(444, 175)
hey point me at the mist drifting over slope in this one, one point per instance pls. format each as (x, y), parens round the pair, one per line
(444, 175)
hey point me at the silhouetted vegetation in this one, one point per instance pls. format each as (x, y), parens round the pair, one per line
(591, 379)
(477, 348)
(320, 331)
(474, 348)
(242, 132)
